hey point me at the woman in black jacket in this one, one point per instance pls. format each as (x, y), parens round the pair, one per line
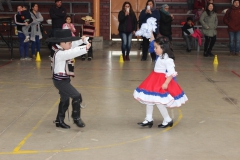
(166, 19)
(127, 26)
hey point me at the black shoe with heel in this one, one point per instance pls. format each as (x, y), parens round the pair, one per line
(61, 124)
(146, 123)
(79, 122)
(170, 124)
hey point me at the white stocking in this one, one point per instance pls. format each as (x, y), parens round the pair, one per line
(164, 112)
(149, 112)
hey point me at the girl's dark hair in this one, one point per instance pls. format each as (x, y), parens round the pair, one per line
(150, 1)
(166, 47)
(208, 11)
(130, 9)
(32, 5)
(68, 16)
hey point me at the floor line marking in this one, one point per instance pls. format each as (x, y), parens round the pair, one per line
(235, 73)
(88, 148)
(16, 149)
(5, 64)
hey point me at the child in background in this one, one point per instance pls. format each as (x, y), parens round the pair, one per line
(27, 19)
(187, 31)
(88, 30)
(69, 25)
(62, 69)
(159, 88)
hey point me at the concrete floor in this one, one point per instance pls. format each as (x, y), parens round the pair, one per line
(207, 127)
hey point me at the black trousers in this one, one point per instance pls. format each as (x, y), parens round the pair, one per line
(145, 47)
(90, 50)
(209, 43)
(66, 91)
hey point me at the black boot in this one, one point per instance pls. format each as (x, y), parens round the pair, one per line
(210, 54)
(205, 54)
(62, 108)
(61, 124)
(76, 112)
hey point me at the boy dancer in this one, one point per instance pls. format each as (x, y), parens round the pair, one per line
(62, 68)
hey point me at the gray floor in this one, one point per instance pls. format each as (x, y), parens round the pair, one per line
(206, 127)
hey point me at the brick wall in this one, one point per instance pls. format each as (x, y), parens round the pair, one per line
(105, 19)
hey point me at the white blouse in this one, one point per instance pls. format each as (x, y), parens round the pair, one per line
(165, 65)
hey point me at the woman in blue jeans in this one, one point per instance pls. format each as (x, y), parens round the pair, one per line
(127, 26)
(36, 33)
(24, 46)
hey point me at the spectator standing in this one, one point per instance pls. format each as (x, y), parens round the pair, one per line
(149, 11)
(36, 33)
(127, 27)
(209, 23)
(231, 19)
(57, 14)
(23, 47)
(166, 19)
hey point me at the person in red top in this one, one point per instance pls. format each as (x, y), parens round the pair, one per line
(198, 8)
(231, 19)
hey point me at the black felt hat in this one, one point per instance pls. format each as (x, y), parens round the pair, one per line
(63, 35)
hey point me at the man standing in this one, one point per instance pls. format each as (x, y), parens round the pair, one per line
(231, 19)
(57, 14)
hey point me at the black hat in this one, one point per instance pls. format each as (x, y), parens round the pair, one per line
(63, 35)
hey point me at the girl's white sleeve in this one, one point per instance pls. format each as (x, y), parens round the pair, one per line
(170, 68)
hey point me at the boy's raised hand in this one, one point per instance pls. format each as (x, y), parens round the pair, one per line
(85, 39)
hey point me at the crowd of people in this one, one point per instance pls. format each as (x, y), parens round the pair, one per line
(30, 29)
(204, 15)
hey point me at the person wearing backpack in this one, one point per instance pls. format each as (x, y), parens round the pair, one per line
(231, 19)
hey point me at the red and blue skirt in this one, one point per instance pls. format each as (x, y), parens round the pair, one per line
(150, 91)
